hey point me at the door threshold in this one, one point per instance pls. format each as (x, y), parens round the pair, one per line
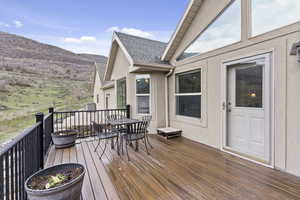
(247, 157)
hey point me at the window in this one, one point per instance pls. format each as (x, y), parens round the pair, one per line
(97, 98)
(143, 94)
(188, 94)
(268, 15)
(225, 30)
(121, 93)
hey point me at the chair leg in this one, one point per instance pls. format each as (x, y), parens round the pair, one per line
(147, 138)
(122, 144)
(97, 145)
(118, 148)
(127, 151)
(146, 146)
(103, 149)
(112, 143)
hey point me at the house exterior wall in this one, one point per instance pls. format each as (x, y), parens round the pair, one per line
(286, 73)
(157, 95)
(98, 91)
(112, 104)
(121, 66)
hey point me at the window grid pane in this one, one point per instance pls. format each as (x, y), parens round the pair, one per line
(279, 13)
(225, 30)
(188, 82)
(189, 106)
(143, 104)
(121, 93)
(143, 86)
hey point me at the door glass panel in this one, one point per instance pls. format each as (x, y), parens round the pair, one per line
(249, 87)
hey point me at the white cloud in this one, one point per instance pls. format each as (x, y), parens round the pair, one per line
(18, 24)
(131, 31)
(279, 13)
(71, 40)
(2, 24)
(80, 40)
(87, 38)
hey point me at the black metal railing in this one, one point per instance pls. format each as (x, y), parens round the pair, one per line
(81, 120)
(27, 153)
(23, 156)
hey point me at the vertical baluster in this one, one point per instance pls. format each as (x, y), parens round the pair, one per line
(1, 178)
(20, 168)
(23, 168)
(12, 186)
(16, 170)
(7, 176)
(78, 123)
(85, 125)
(82, 123)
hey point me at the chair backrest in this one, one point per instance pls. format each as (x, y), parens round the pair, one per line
(138, 128)
(114, 117)
(97, 128)
(147, 118)
(102, 129)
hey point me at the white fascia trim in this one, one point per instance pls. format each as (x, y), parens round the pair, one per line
(179, 27)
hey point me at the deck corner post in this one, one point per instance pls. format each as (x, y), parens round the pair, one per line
(40, 118)
(51, 111)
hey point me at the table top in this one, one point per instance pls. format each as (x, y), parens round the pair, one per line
(124, 121)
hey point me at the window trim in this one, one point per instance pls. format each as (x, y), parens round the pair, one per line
(140, 76)
(189, 94)
(197, 65)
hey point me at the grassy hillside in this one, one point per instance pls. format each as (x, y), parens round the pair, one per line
(36, 76)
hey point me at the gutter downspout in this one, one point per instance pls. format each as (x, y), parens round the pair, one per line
(167, 96)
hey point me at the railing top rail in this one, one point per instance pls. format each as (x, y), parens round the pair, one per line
(104, 110)
(18, 138)
(47, 116)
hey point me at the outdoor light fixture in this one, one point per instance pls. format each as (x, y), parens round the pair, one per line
(296, 50)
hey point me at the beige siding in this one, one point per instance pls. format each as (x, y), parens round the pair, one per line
(111, 99)
(121, 66)
(157, 99)
(286, 91)
(98, 91)
(293, 109)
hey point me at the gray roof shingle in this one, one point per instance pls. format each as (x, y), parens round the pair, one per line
(143, 50)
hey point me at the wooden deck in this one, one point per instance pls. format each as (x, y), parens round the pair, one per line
(176, 169)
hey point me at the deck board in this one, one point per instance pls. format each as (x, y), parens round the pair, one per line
(175, 169)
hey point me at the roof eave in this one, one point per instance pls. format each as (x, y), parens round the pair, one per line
(181, 29)
(147, 67)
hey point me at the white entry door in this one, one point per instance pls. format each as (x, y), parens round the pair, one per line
(248, 108)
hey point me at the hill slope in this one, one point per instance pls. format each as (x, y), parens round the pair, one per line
(35, 76)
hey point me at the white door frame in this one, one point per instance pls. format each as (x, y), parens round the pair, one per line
(268, 56)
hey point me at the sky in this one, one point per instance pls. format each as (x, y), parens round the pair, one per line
(86, 26)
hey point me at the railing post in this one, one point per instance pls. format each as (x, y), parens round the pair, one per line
(40, 118)
(128, 111)
(51, 110)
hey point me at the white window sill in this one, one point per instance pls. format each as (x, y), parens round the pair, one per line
(190, 120)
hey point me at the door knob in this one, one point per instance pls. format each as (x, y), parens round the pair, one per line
(229, 107)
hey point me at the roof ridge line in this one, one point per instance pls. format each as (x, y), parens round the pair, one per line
(118, 32)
